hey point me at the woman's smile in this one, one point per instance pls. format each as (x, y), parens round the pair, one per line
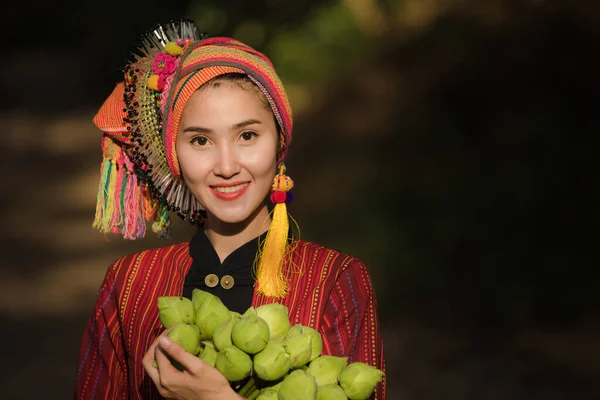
(230, 192)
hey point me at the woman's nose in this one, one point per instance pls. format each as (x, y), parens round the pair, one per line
(227, 164)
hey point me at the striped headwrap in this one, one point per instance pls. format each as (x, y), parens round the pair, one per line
(140, 176)
(209, 59)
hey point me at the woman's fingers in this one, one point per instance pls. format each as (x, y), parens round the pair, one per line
(148, 361)
(167, 373)
(175, 352)
(152, 371)
(149, 356)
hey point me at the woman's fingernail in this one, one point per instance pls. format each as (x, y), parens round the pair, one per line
(165, 341)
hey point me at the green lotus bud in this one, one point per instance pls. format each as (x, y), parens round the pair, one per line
(210, 313)
(175, 309)
(208, 353)
(222, 333)
(298, 385)
(299, 348)
(276, 316)
(249, 312)
(359, 379)
(316, 343)
(250, 334)
(331, 392)
(268, 394)
(272, 363)
(198, 297)
(327, 369)
(234, 364)
(188, 336)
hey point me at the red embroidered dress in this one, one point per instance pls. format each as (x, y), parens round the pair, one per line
(333, 294)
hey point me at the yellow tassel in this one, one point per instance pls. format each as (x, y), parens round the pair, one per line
(269, 275)
(110, 198)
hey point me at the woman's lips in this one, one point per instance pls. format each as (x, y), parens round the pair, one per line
(229, 192)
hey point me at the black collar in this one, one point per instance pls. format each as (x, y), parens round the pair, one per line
(202, 251)
(238, 265)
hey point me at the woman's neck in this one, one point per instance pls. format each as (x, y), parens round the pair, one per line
(227, 237)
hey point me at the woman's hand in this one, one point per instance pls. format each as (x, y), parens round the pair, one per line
(197, 382)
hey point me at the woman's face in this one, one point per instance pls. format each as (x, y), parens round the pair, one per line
(226, 145)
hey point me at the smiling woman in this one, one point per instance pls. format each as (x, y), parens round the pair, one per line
(201, 127)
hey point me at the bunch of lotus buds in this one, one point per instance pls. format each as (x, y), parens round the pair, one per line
(260, 354)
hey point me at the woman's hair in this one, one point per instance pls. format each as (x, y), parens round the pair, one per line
(243, 82)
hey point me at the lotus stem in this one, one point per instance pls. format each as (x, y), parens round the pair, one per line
(247, 387)
(254, 394)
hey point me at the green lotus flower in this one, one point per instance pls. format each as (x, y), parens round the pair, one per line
(211, 312)
(198, 297)
(268, 394)
(316, 343)
(299, 348)
(249, 312)
(298, 385)
(359, 379)
(208, 353)
(272, 363)
(331, 392)
(234, 364)
(250, 334)
(175, 310)
(327, 369)
(222, 333)
(187, 335)
(276, 316)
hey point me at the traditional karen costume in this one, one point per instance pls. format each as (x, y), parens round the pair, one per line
(324, 289)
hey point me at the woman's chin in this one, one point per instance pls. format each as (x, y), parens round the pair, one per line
(231, 218)
(236, 216)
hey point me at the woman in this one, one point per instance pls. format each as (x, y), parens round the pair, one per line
(201, 127)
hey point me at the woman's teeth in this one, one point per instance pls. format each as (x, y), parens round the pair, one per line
(229, 189)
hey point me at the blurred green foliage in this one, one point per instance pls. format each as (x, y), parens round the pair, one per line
(467, 199)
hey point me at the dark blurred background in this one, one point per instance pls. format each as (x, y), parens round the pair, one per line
(449, 144)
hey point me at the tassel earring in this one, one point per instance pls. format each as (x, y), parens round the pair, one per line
(270, 278)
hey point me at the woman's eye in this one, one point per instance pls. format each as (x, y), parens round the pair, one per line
(200, 140)
(248, 135)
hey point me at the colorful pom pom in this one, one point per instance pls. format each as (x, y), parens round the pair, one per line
(156, 82)
(173, 49)
(278, 197)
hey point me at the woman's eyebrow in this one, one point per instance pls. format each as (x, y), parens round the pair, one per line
(239, 125)
(197, 129)
(245, 123)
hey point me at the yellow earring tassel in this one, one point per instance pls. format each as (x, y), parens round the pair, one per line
(270, 278)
